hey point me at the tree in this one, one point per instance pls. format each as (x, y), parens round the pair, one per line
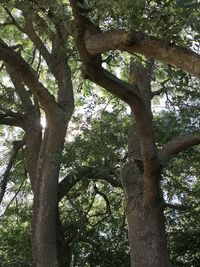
(93, 220)
(44, 30)
(91, 209)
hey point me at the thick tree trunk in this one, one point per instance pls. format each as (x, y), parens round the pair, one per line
(141, 181)
(146, 226)
(148, 245)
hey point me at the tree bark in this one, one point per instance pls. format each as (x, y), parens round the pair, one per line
(141, 182)
(147, 239)
(64, 249)
(146, 225)
(138, 42)
(46, 191)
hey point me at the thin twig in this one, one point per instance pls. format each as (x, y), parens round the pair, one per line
(16, 194)
(16, 146)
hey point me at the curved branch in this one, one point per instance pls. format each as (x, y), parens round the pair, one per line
(125, 91)
(137, 42)
(177, 145)
(88, 173)
(108, 209)
(83, 30)
(92, 64)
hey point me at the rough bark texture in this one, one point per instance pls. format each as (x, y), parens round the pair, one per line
(147, 237)
(146, 227)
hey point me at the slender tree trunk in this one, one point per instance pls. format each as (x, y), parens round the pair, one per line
(46, 191)
(33, 140)
(43, 162)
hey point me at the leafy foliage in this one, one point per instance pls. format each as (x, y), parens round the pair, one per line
(15, 248)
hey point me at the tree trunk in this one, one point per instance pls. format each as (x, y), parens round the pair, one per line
(44, 234)
(64, 250)
(148, 246)
(146, 226)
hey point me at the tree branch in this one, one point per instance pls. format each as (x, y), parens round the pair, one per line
(30, 31)
(88, 173)
(121, 89)
(181, 207)
(56, 61)
(12, 119)
(137, 42)
(3, 184)
(176, 206)
(92, 64)
(14, 22)
(20, 88)
(162, 91)
(108, 209)
(28, 75)
(14, 197)
(84, 28)
(177, 145)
